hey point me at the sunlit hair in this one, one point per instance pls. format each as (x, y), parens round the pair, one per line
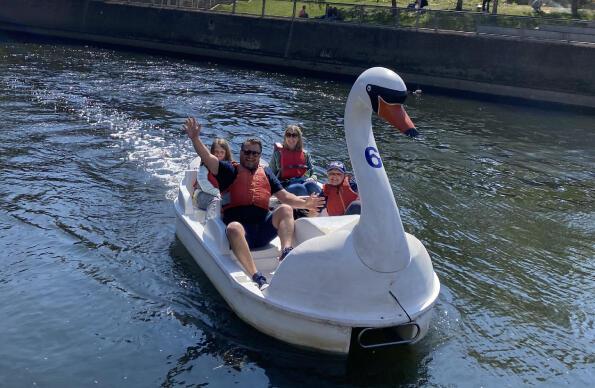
(223, 144)
(252, 141)
(294, 128)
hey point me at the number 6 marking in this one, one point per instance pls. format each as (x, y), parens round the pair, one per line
(373, 158)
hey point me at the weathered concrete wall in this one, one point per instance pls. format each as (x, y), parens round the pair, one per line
(545, 71)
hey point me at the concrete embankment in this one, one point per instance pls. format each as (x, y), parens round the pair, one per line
(553, 72)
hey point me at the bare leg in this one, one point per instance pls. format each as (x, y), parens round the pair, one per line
(239, 246)
(284, 223)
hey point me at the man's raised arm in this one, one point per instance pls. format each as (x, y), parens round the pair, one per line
(192, 128)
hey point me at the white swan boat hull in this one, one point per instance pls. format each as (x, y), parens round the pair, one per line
(284, 318)
(350, 280)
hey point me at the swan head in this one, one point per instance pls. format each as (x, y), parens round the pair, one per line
(383, 92)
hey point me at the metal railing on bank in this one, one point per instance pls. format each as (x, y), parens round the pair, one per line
(184, 4)
(519, 27)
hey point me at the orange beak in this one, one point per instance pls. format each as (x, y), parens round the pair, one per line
(395, 115)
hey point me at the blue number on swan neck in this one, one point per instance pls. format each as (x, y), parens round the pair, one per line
(373, 158)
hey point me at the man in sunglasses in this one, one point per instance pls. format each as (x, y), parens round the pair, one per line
(247, 188)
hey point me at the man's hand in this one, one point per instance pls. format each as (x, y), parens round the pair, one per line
(192, 127)
(314, 202)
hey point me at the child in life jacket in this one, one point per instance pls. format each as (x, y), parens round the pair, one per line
(340, 192)
(206, 187)
(293, 165)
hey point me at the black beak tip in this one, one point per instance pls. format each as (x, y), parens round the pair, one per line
(411, 132)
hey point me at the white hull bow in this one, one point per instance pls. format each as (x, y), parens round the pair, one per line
(288, 320)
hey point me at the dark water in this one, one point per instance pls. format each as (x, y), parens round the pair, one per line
(95, 289)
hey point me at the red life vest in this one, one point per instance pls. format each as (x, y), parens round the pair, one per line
(338, 198)
(292, 164)
(213, 180)
(249, 189)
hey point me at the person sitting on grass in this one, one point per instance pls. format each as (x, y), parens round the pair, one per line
(303, 13)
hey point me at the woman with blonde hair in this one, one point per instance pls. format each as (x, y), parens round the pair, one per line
(292, 164)
(207, 189)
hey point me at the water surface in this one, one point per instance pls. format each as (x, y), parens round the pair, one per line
(95, 289)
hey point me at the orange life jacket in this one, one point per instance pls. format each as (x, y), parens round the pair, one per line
(249, 188)
(213, 180)
(338, 198)
(292, 164)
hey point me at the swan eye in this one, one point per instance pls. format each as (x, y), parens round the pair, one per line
(390, 96)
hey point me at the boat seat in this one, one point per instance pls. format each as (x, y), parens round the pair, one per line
(216, 236)
(185, 200)
(307, 228)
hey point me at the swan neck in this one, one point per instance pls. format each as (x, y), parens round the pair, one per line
(379, 236)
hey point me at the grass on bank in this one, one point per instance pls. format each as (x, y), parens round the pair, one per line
(316, 9)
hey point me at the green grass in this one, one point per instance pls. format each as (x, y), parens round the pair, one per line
(285, 8)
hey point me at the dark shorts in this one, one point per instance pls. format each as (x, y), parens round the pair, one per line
(259, 235)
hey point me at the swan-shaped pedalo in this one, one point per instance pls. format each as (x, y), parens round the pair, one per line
(368, 274)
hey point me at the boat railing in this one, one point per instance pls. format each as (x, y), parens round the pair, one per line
(428, 20)
(379, 337)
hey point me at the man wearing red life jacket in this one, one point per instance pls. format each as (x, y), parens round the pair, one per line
(340, 192)
(247, 188)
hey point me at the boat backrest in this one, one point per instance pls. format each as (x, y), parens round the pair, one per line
(307, 228)
(214, 233)
(190, 174)
(186, 191)
(213, 209)
(189, 180)
(215, 236)
(195, 164)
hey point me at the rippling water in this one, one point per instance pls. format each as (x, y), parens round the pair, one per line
(95, 289)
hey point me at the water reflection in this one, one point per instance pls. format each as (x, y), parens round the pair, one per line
(403, 365)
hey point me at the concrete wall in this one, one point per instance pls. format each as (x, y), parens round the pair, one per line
(534, 70)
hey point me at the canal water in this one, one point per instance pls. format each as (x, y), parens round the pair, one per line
(95, 289)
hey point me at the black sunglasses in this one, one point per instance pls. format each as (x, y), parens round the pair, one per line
(291, 135)
(250, 152)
